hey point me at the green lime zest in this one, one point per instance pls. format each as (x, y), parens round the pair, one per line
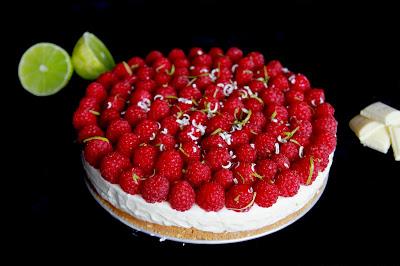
(96, 137)
(171, 71)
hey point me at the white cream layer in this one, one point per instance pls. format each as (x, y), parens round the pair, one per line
(222, 221)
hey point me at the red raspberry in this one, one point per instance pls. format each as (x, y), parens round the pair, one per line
(182, 196)
(146, 130)
(145, 73)
(134, 114)
(257, 122)
(202, 60)
(265, 145)
(136, 62)
(162, 78)
(155, 189)
(257, 58)
(198, 173)
(276, 113)
(326, 138)
(276, 129)
(122, 89)
(294, 96)
(211, 197)
(304, 128)
(114, 102)
(166, 92)
(254, 104)
(89, 103)
(257, 86)
(324, 109)
(273, 96)
(107, 116)
(315, 97)
(222, 62)
(175, 54)
(139, 95)
(127, 143)
(266, 194)
(89, 131)
(190, 151)
(222, 121)
(216, 52)
(290, 150)
(303, 167)
(239, 198)
(245, 153)
(132, 80)
(213, 141)
(189, 134)
(147, 85)
(116, 129)
(243, 76)
(181, 63)
(95, 150)
(231, 104)
(217, 157)
(274, 68)
(169, 125)
(153, 56)
(202, 82)
(180, 108)
(279, 82)
(195, 51)
(267, 169)
(281, 161)
(122, 71)
(190, 93)
(158, 110)
(198, 116)
(244, 173)
(144, 157)
(224, 75)
(165, 142)
(83, 118)
(235, 54)
(131, 180)
(170, 165)
(287, 183)
(299, 82)
(107, 79)
(161, 65)
(112, 165)
(246, 63)
(224, 177)
(239, 137)
(325, 124)
(213, 91)
(96, 90)
(300, 111)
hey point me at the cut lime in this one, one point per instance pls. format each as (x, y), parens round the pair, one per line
(44, 69)
(91, 57)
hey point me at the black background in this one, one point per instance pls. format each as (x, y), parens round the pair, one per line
(351, 50)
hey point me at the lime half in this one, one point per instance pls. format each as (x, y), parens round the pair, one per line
(44, 69)
(91, 57)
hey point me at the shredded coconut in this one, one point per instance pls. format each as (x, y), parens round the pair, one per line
(276, 148)
(159, 96)
(227, 166)
(226, 136)
(301, 149)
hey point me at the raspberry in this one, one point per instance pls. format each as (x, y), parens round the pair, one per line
(190, 151)
(327, 139)
(162, 78)
(169, 125)
(304, 128)
(136, 62)
(114, 102)
(294, 96)
(299, 82)
(287, 183)
(273, 96)
(189, 134)
(246, 63)
(224, 177)
(182, 196)
(303, 167)
(202, 60)
(216, 52)
(257, 58)
(315, 97)
(213, 141)
(116, 129)
(198, 173)
(127, 143)
(165, 142)
(213, 91)
(95, 150)
(83, 118)
(190, 93)
(239, 198)
(89, 131)
(245, 153)
(134, 114)
(265, 145)
(300, 111)
(146, 85)
(222, 121)
(96, 90)
(122, 71)
(257, 122)
(279, 82)
(274, 67)
(170, 164)
(89, 103)
(107, 116)
(217, 157)
(276, 113)
(243, 76)
(281, 161)
(324, 109)
(161, 65)
(146, 130)
(122, 89)
(166, 92)
(244, 173)
(211, 197)
(155, 189)
(153, 56)
(131, 180)
(235, 54)
(224, 62)
(139, 95)
(290, 150)
(112, 165)
(182, 63)
(276, 129)
(144, 157)
(198, 116)
(325, 124)
(158, 110)
(256, 86)
(239, 137)
(267, 169)
(231, 104)
(175, 54)
(266, 194)
(254, 104)
(107, 79)
(195, 51)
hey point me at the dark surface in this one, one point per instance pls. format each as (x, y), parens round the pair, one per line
(351, 51)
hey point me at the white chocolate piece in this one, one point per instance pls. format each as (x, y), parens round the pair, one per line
(364, 127)
(395, 139)
(379, 140)
(382, 113)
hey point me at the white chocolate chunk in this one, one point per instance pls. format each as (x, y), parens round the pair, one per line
(364, 127)
(382, 113)
(379, 140)
(395, 139)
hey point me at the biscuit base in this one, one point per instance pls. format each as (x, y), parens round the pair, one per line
(193, 234)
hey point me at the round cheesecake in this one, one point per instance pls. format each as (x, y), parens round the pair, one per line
(205, 146)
